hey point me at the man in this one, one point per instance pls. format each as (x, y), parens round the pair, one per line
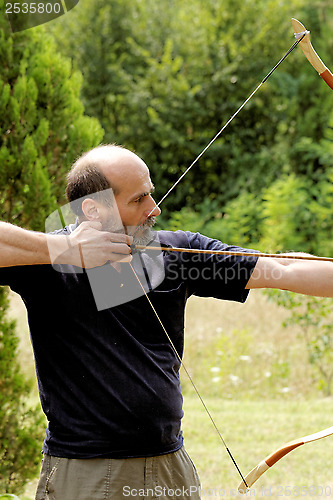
(107, 373)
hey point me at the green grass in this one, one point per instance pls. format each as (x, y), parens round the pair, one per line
(256, 380)
(252, 430)
(242, 351)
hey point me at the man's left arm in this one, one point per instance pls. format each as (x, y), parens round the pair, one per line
(308, 277)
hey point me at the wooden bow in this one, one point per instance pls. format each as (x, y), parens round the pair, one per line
(310, 52)
(274, 457)
(312, 56)
(303, 39)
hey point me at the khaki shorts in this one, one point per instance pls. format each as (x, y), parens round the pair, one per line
(171, 476)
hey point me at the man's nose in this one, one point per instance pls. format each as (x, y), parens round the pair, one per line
(154, 210)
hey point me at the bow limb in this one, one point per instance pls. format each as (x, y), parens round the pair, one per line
(274, 457)
(311, 54)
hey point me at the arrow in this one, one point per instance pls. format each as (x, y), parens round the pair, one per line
(233, 253)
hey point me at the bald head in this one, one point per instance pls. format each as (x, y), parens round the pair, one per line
(100, 169)
(117, 164)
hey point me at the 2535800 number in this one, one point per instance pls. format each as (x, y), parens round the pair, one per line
(33, 8)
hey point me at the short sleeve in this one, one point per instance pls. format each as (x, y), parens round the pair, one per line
(210, 275)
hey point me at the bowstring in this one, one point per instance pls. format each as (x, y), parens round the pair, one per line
(161, 201)
(225, 125)
(189, 376)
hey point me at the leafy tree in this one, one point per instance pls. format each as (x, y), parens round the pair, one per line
(298, 214)
(286, 210)
(240, 223)
(42, 129)
(21, 428)
(165, 84)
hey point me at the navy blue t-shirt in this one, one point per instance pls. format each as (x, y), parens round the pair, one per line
(108, 377)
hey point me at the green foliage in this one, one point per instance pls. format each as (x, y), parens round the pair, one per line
(239, 223)
(286, 210)
(21, 428)
(298, 214)
(292, 214)
(42, 127)
(314, 316)
(165, 84)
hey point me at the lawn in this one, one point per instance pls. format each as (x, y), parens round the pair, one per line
(252, 430)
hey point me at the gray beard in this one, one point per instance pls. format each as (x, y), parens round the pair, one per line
(144, 234)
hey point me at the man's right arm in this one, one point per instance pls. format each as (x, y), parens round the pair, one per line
(21, 247)
(87, 246)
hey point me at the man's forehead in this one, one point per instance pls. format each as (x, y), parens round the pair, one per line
(122, 163)
(112, 155)
(125, 171)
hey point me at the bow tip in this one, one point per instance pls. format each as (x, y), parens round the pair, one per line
(243, 488)
(299, 28)
(297, 24)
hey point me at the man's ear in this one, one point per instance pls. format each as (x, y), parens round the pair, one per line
(90, 210)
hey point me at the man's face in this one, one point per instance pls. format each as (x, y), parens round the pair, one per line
(136, 206)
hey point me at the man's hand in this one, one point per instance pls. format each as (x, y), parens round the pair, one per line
(88, 246)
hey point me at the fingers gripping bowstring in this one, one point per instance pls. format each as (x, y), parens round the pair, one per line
(161, 201)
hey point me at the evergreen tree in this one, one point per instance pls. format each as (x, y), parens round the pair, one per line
(42, 130)
(42, 127)
(21, 427)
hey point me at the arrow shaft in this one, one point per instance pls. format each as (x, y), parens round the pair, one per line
(233, 253)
